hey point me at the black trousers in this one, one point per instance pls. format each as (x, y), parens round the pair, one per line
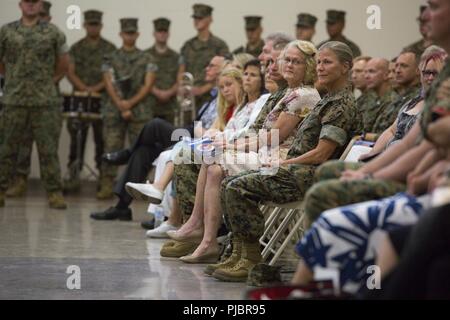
(154, 138)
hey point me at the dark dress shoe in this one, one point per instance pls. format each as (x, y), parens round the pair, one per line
(117, 158)
(113, 213)
(148, 225)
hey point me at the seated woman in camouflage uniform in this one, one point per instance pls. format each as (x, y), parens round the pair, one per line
(322, 136)
(298, 69)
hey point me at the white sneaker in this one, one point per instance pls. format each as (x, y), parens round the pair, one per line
(144, 191)
(161, 231)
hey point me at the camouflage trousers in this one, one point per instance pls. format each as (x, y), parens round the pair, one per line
(329, 192)
(242, 194)
(185, 183)
(43, 125)
(114, 131)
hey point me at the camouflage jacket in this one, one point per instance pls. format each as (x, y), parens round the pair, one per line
(375, 109)
(254, 51)
(166, 77)
(129, 69)
(388, 114)
(88, 58)
(432, 101)
(417, 47)
(30, 56)
(334, 118)
(196, 54)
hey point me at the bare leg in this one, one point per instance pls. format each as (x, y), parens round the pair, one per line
(165, 178)
(195, 221)
(387, 258)
(212, 212)
(303, 275)
(175, 217)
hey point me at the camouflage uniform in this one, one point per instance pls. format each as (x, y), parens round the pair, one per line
(166, 77)
(253, 50)
(133, 65)
(388, 114)
(252, 23)
(364, 103)
(374, 108)
(31, 97)
(416, 47)
(334, 16)
(334, 118)
(88, 58)
(196, 54)
(186, 175)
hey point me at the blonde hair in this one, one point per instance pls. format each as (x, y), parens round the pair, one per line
(240, 60)
(309, 51)
(222, 104)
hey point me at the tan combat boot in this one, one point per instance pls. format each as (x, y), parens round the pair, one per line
(106, 188)
(18, 187)
(250, 256)
(230, 261)
(56, 200)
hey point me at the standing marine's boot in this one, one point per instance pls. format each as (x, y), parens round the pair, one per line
(238, 272)
(106, 188)
(56, 200)
(18, 187)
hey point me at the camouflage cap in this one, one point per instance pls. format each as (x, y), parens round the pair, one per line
(252, 22)
(161, 24)
(201, 10)
(129, 25)
(93, 16)
(46, 5)
(334, 16)
(306, 20)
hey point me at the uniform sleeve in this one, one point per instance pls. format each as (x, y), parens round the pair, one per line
(61, 44)
(2, 43)
(223, 48)
(334, 122)
(152, 67)
(106, 65)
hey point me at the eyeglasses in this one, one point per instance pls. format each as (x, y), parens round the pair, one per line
(294, 62)
(428, 73)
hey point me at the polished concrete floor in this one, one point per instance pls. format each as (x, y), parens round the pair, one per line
(115, 260)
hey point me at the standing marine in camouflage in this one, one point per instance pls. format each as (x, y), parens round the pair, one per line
(253, 31)
(329, 126)
(21, 171)
(129, 74)
(198, 51)
(85, 74)
(34, 56)
(163, 97)
(305, 27)
(335, 27)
